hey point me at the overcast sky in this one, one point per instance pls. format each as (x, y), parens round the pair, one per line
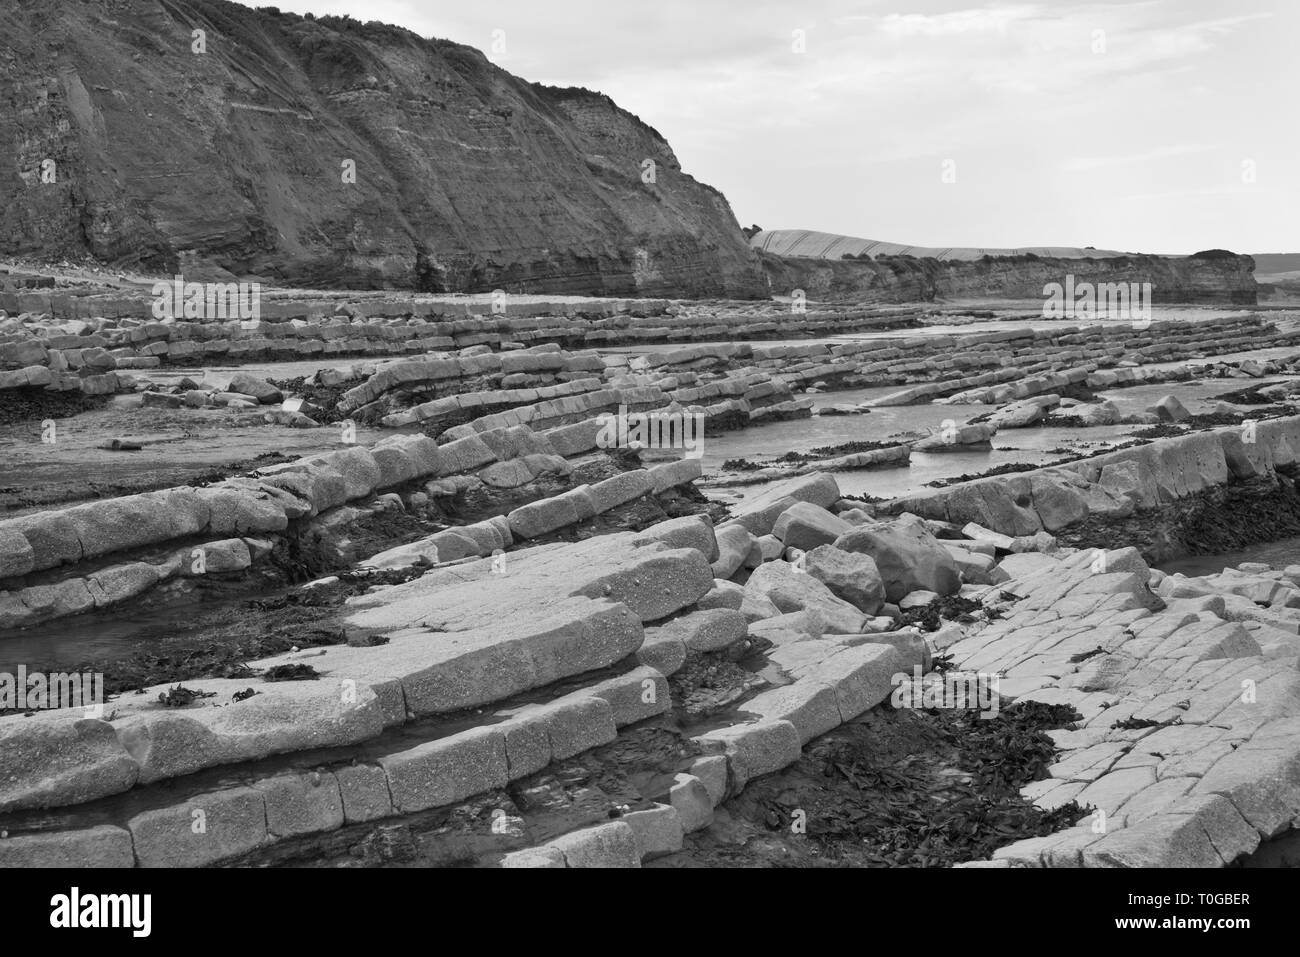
(1157, 126)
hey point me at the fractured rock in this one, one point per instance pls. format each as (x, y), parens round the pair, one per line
(907, 557)
(852, 576)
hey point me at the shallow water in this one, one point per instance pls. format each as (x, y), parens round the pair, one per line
(109, 634)
(1035, 446)
(1279, 554)
(1032, 446)
(71, 641)
(219, 376)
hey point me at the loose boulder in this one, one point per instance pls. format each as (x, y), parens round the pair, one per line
(1169, 409)
(964, 438)
(734, 545)
(259, 389)
(1026, 412)
(791, 589)
(851, 576)
(805, 526)
(1100, 413)
(907, 556)
(1057, 502)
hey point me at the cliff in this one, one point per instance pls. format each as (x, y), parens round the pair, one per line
(810, 244)
(1215, 277)
(121, 141)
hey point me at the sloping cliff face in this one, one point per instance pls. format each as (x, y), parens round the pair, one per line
(1214, 277)
(121, 140)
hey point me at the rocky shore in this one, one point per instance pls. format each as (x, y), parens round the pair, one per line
(450, 617)
(406, 465)
(462, 696)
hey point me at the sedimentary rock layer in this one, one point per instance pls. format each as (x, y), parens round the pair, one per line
(1115, 484)
(1220, 279)
(67, 561)
(1177, 763)
(1187, 752)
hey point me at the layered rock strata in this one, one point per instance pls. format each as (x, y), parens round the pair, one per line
(327, 152)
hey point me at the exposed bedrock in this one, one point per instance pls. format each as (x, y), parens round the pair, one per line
(493, 677)
(1225, 279)
(107, 552)
(1121, 487)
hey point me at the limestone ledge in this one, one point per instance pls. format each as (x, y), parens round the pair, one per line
(260, 507)
(1115, 484)
(458, 637)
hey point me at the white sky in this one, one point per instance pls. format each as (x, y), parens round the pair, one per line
(1146, 143)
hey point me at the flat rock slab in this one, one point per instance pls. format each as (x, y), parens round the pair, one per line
(61, 757)
(607, 845)
(1220, 769)
(650, 578)
(459, 637)
(754, 749)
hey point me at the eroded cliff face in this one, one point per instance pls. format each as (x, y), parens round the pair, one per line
(121, 140)
(1214, 278)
